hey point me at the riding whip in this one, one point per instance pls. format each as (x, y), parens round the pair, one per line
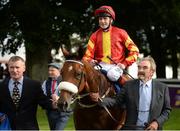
(121, 68)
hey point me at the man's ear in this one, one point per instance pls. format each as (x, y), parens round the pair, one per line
(152, 72)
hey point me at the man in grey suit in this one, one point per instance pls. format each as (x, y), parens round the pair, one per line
(147, 100)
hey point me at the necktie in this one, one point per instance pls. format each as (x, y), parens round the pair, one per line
(144, 100)
(53, 86)
(144, 104)
(16, 94)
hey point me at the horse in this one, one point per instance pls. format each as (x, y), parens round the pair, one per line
(79, 79)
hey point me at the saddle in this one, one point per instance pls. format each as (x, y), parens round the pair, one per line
(117, 84)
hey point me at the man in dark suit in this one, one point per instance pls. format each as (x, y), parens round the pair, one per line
(147, 100)
(20, 96)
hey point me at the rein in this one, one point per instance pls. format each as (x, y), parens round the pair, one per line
(105, 107)
(78, 97)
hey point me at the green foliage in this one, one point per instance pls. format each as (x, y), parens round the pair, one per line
(41, 21)
(52, 23)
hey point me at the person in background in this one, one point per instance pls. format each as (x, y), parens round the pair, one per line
(1, 71)
(4, 122)
(147, 100)
(20, 97)
(57, 119)
(6, 72)
(107, 46)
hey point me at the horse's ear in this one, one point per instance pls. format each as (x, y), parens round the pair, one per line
(74, 56)
(65, 52)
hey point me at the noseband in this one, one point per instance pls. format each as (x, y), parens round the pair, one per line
(78, 62)
(78, 96)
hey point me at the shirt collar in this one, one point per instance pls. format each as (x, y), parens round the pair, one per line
(20, 80)
(148, 83)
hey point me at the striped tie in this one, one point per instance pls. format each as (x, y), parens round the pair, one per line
(16, 94)
(53, 86)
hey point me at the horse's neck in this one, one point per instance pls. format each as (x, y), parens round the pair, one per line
(97, 81)
(106, 87)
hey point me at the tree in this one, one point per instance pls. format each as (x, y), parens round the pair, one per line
(154, 26)
(43, 25)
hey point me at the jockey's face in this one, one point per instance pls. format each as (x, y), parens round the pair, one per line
(145, 71)
(105, 22)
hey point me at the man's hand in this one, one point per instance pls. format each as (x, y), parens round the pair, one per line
(2, 118)
(54, 100)
(152, 126)
(93, 62)
(94, 96)
(122, 66)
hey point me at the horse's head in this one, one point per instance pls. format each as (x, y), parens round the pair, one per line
(75, 79)
(79, 78)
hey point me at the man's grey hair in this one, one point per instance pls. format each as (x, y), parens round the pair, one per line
(151, 60)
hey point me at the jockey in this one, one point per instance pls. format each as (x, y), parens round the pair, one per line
(110, 41)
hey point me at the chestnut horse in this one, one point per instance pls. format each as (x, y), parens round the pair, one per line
(79, 78)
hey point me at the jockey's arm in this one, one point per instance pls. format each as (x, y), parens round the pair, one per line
(132, 55)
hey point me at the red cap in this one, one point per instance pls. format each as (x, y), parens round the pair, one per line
(105, 9)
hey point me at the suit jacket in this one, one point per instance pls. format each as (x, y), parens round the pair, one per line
(25, 116)
(48, 85)
(160, 103)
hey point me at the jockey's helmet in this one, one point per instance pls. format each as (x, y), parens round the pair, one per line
(105, 11)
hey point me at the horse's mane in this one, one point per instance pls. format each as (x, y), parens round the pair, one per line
(95, 79)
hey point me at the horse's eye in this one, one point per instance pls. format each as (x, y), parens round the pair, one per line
(78, 75)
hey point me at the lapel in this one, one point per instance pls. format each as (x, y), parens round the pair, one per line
(59, 79)
(136, 93)
(24, 90)
(154, 94)
(7, 92)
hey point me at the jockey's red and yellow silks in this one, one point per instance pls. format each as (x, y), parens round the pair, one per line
(112, 43)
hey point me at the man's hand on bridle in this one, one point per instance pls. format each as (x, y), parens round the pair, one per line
(94, 96)
(54, 100)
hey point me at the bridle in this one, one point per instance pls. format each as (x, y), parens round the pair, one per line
(80, 96)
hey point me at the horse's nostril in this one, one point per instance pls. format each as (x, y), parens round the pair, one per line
(63, 106)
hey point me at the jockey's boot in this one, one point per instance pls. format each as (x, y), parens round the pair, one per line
(117, 87)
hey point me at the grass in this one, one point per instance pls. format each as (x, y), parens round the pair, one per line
(43, 122)
(171, 124)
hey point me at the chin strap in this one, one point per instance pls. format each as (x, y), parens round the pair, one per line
(106, 29)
